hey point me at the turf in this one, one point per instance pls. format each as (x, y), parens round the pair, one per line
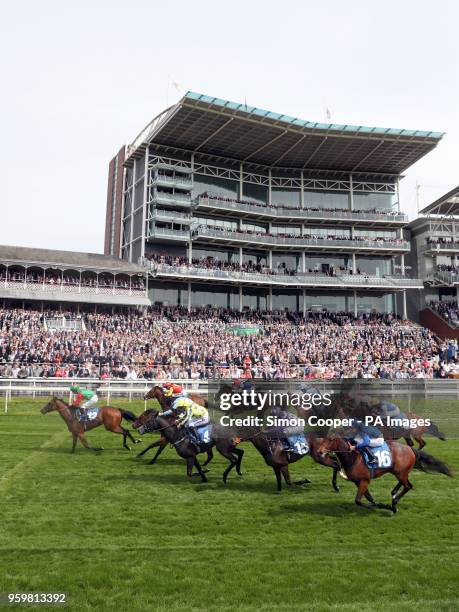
(118, 534)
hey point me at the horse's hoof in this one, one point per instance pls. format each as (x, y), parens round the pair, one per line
(393, 508)
(138, 442)
(127, 447)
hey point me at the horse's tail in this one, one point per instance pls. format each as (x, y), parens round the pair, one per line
(433, 429)
(427, 463)
(126, 414)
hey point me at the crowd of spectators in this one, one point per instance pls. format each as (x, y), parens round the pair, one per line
(316, 237)
(213, 263)
(307, 207)
(448, 310)
(442, 240)
(452, 269)
(171, 343)
(52, 277)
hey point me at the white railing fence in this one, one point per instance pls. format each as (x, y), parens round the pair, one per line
(136, 389)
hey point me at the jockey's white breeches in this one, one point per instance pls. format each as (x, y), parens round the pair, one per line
(199, 421)
(94, 399)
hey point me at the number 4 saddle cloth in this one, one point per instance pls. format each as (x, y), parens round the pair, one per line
(382, 454)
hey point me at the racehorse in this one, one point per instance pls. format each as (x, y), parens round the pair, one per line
(314, 443)
(415, 433)
(151, 420)
(158, 394)
(404, 459)
(108, 416)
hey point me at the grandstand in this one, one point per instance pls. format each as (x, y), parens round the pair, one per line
(435, 256)
(232, 206)
(53, 278)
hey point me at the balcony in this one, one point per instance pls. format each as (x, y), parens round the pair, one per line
(171, 167)
(203, 232)
(171, 215)
(442, 279)
(73, 292)
(165, 180)
(440, 247)
(314, 279)
(171, 199)
(165, 233)
(260, 211)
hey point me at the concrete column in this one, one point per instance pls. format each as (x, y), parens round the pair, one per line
(144, 203)
(355, 303)
(398, 194)
(270, 259)
(402, 265)
(241, 181)
(189, 297)
(190, 251)
(240, 256)
(240, 298)
(457, 294)
(302, 189)
(354, 265)
(303, 261)
(404, 304)
(304, 301)
(351, 193)
(270, 298)
(269, 189)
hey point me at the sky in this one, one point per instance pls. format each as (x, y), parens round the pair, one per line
(80, 79)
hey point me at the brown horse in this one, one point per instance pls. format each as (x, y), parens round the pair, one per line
(158, 394)
(415, 433)
(404, 459)
(314, 443)
(108, 416)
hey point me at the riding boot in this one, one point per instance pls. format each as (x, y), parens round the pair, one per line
(372, 460)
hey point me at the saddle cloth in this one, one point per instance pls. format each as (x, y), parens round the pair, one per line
(382, 454)
(205, 433)
(298, 444)
(88, 415)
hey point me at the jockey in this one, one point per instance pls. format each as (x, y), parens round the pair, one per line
(289, 432)
(387, 409)
(366, 437)
(192, 416)
(173, 391)
(85, 398)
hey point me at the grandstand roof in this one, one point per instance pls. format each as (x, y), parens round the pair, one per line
(447, 205)
(71, 260)
(213, 126)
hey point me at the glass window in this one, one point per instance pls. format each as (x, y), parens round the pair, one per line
(333, 302)
(254, 299)
(330, 200)
(255, 257)
(375, 302)
(215, 186)
(210, 295)
(290, 198)
(374, 201)
(254, 227)
(168, 294)
(255, 193)
(286, 229)
(139, 167)
(287, 299)
(287, 262)
(138, 197)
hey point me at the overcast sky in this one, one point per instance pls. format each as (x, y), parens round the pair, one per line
(80, 79)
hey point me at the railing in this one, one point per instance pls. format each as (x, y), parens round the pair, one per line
(325, 242)
(171, 214)
(172, 167)
(448, 278)
(300, 213)
(169, 198)
(110, 390)
(440, 246)
(164, 232)
(165, 179)
(70, 288)
(298, 279)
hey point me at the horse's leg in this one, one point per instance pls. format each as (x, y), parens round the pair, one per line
(420, 440)
(232, 464)
(132, 439)
(362, 488)
(152, 445)
(277, 472)
(75, 440)
(334, 479)
(407, 486)
(376, 504)
(199, 468)
(210, 456)
(286, 474)
(86, 444)
(408, 440)
(158, 452)
(239, 454)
